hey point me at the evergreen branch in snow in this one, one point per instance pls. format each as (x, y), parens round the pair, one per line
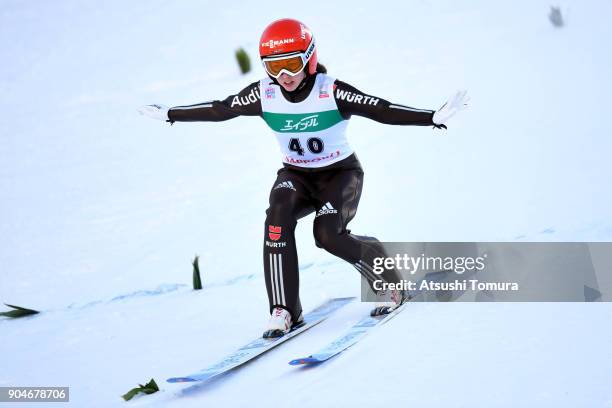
(18, 312)
(149, 388)
(197, 280)
(244, 62)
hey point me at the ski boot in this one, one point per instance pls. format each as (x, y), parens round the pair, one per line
(390, 300)
(280, 323)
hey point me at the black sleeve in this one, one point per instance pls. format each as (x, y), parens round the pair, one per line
(246, 103)
(352, 101)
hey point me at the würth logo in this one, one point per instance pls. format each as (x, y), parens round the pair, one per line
(356, 98)
(327, 209)
(274, 232)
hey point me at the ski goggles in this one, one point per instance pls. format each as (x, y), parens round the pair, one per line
(290, 64)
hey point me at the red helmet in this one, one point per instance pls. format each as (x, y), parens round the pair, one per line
(286, 36)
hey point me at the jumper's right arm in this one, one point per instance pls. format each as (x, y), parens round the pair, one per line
(245, 103)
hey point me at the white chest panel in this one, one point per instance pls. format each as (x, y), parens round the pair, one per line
(311, 133)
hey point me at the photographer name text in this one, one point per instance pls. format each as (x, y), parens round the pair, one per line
(461, 285)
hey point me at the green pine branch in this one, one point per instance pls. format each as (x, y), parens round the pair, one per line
(244, 62)
(197, 280)
(149, 388)
(18, 312)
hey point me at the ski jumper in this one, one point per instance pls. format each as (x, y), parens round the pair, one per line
(320, 172)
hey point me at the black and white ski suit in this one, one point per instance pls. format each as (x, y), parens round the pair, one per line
(319, 174)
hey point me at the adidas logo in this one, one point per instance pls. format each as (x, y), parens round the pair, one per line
(327, 209)
(285, 184)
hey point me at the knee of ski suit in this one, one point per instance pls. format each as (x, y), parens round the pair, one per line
(334, 240)
(281, 213)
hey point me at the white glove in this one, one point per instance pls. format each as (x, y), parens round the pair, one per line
(159, 112)
(455, 103)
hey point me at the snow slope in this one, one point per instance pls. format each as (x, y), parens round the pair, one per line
(102, 210)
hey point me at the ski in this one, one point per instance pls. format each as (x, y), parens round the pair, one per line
(360, 329)
(351, 337)
(260, 345)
